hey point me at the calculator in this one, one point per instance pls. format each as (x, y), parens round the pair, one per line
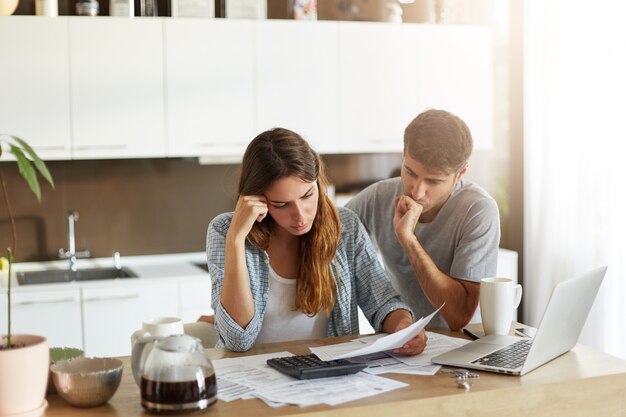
(311, 367)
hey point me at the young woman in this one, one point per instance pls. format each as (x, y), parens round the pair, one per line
(287, 264)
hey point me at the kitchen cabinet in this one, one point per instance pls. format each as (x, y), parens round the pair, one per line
(297, 80)
(110, 316)
(159, 298)
(195, 297)
(34, 83)
(99, 316)
(456, 74)
(378, 85)
(117, 88)
(210, 86)
(132, 88)
(31, 314)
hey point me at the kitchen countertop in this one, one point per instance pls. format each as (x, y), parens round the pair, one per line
(177, 265)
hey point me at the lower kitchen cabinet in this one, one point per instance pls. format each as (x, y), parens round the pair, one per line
(195, 298)
(55, 315)
(112, 314)
(159, 299)
(98, 319)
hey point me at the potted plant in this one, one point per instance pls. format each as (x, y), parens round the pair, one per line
(24, 359)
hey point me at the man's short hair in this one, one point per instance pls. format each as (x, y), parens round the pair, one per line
(439, 140)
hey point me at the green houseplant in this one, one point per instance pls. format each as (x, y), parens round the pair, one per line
(24, 359)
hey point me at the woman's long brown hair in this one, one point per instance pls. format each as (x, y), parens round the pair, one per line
(280, 153)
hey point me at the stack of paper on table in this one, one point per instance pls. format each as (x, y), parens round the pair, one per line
(250, 377)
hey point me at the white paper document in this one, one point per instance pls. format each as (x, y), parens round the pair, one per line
(238, 378)
(250, 377)
(331, 391)
(437, 344)
(391, 341)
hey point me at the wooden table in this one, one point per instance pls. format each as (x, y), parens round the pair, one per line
(583, 382)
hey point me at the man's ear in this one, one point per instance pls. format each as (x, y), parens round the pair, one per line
(462, 171)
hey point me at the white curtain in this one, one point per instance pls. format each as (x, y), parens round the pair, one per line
(575, 157)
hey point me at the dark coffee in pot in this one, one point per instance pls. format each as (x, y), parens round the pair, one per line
(164, 396)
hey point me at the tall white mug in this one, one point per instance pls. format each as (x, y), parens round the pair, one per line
(158, 327)
(498, 298)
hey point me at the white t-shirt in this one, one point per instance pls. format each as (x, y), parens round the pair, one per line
(281, 322)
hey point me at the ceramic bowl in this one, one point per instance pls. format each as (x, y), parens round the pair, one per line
(87, 382)
(57, 354)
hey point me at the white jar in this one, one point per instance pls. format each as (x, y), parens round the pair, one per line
(125, 8)
(46, 8)
(87, 7)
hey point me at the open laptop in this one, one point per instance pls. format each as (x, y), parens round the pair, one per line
(557, 333)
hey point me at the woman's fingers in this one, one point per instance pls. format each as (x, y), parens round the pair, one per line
(414, 346)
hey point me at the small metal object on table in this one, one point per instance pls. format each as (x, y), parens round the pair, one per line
(464, 378)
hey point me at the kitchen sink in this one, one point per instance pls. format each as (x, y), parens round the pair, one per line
(64, 275)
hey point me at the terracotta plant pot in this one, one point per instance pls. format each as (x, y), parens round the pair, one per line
(23, 374)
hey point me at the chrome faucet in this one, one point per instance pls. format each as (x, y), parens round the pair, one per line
(117, 260)
(71, 253)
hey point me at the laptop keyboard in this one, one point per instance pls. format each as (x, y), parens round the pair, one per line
(509, 357)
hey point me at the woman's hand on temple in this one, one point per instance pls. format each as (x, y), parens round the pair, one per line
(250, 208)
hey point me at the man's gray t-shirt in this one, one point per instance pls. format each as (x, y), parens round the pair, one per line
(462, 240)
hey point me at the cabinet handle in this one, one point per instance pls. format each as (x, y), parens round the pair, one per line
(51, 148)
(215, 145)
(57, 301)
(86, 148)
(114, 298)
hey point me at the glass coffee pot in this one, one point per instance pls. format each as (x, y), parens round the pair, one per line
(177, 376)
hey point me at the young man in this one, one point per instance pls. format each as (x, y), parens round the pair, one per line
(438, 233)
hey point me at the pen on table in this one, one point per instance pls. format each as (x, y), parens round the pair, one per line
(470, 334)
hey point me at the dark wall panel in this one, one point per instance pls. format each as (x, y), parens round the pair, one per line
(143, 206)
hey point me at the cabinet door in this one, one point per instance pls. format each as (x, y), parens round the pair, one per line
(34, 83)
(195, 298)
(210, 87)
(378, 75)
(117, 88)
(110, 316)
(456, 74)
(159, 298)
(53, 314)
(297, 80)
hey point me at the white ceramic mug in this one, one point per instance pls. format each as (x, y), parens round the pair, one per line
(498, 298)
(151, 331)
(159, 327)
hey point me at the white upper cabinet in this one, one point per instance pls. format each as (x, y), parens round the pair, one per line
(378, 75)
(108, 87)
(117, 87)
(210, 86)
(456, 74)
(297, 80)
(34, 83)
